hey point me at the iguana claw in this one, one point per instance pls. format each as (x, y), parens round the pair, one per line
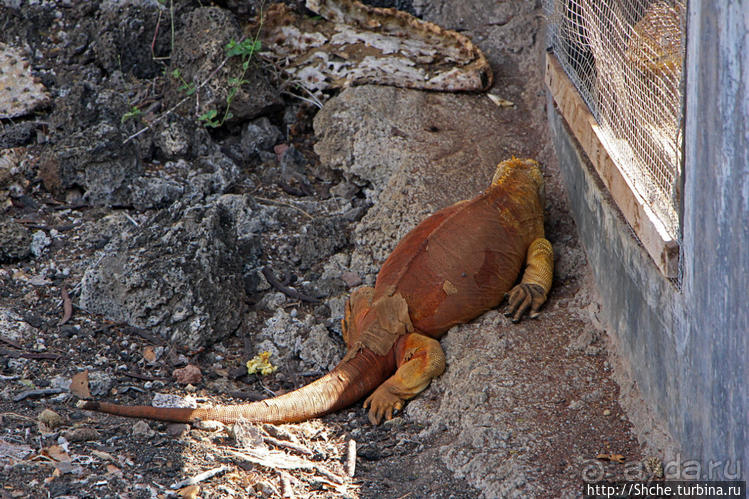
(521, 298)
(382, 403)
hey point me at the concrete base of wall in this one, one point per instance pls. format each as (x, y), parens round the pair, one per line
(637, 300)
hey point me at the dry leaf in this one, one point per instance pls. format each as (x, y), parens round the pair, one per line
(55, 473)
(114, 470)
(67, 306)
(57, 453)
(79, 385)
(149, 354)
(190, 492)
(614, 458)
(103, 455)
(500, 101)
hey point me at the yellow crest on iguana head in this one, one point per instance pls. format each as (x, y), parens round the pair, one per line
(528, 170)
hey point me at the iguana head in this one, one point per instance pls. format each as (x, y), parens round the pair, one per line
(525, 171)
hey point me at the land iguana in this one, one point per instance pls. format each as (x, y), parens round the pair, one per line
(458, 263)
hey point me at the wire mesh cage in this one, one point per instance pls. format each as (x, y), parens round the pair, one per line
(625, 57)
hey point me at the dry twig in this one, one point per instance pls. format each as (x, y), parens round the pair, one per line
(37, 393)
(199, 477)
(351, 458)
(286, 491)
(277, 460)
(293, 293)
(289, 445)
(281, 203)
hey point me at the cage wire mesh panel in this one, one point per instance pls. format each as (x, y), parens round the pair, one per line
(625, 58)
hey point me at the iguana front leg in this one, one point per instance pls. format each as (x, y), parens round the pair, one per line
(536, 283)
(420, 358)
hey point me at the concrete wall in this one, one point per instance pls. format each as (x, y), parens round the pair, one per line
(687, 342)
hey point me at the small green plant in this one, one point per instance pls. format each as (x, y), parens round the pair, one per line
(209, 119)
(133, 114)
(187, 87)
(244, 49)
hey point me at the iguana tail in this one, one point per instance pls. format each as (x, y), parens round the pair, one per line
(353, 378)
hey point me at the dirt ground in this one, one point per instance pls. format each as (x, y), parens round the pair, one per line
(101, 61)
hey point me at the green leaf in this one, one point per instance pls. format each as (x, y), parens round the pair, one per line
(245, 48)
(233, 48)
(209, 119)
(133, 113)
(208, 115)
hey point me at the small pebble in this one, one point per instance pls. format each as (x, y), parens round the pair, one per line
(142, 430)
(190, 374)
(82, 435)
(50, 419)
(177, 430)
(351, 279)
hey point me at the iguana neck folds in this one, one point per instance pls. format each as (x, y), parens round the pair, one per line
(373, 322)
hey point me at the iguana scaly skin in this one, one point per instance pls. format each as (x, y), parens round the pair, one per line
(455, 265)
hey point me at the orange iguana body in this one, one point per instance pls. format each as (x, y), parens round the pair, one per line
(455, 265)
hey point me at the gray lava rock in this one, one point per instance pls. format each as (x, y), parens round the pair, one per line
(99, 383)
(259, 137)
(95, 159)
(293, 168)
(14, 168)
(292, 160)
(180, 274)
(212, 174)
(199, 47)
(173, 138)
(319, 351)
(17, 134)
(15, 242)
(287, 337)
(103, 230)
(39, 241)
(142, 431)
(126, 32)
(320, 239)
(154, 192)
(84, 104)
(179, 137)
